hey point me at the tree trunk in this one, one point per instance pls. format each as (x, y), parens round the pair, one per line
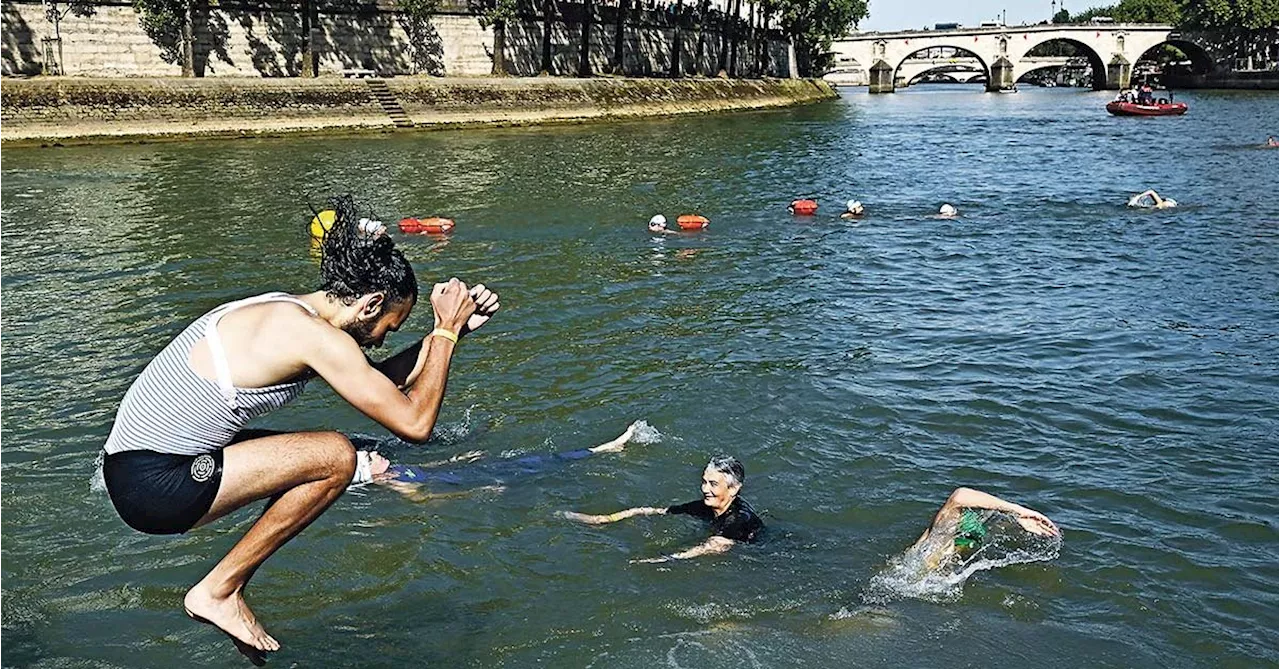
(675, 43)
(735, 23)
(618, 36)
(188, 41)
(702, 35)
(765, 56)
(308, 39)
(548, 11)
(584, 51)
(722, 65)
(752, 54)
(500, 48)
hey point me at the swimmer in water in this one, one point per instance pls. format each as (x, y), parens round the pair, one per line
(730, 517)
(658, 226)
(1271, 142)
(853, 209)
(960, 526)
(948, 211)
(409, 480)
(1149, 199)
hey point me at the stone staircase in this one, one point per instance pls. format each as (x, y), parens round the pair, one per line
(378, 88)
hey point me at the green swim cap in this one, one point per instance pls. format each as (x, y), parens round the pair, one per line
(970, 529)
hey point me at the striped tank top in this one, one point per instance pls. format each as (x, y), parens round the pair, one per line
(172, 409)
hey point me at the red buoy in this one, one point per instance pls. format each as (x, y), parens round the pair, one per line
(803, 207)
(433, 225)
(692, 222)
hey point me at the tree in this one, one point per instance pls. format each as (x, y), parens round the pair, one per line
(548, 12)
(496, 14)
(812, 24)
(584, 50)
(703, 8)
(675, 41)
(168, 24)
(415, 17)
(618, 36)
(1063, 16)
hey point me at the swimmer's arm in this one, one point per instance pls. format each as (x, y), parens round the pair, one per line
(415, 492)
(591, 519)
(712, 546)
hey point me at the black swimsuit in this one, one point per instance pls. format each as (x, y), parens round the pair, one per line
(738, 522)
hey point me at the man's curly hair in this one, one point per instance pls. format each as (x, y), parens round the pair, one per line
(354, 263)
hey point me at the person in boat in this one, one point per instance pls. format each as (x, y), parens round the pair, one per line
(729, 516)
(853, 209)
(410, 480)
(1146, 96)
(948, 211)
(963, 524)
(1149, 199)
(175, 458)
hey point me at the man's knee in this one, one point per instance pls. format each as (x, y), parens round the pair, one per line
(341, 458)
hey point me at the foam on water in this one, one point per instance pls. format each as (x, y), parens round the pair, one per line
(645, 433)
(909, 576)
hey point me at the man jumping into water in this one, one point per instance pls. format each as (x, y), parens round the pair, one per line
(173, 460)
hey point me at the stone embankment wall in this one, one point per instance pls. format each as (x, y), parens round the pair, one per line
(265, 39)
(60, 110)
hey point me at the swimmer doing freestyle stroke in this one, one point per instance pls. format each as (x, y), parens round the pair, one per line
(176, 458)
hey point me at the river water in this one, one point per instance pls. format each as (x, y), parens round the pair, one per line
(1113, 368)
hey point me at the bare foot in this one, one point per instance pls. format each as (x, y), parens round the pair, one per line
(231, 615)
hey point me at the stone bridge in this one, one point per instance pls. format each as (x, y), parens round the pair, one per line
(913, 68)
(1001, 52)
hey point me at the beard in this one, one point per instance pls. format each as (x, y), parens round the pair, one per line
(362, 332)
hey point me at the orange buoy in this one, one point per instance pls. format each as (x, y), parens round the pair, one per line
(692, 222)
(433, 225)
(803, 207)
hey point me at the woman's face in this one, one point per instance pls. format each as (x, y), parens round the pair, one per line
(718, 489)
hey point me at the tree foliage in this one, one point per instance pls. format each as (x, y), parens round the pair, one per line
(1137, 11)
(814, 23)
(162, 21)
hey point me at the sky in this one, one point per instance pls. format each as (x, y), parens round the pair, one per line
(915, 14)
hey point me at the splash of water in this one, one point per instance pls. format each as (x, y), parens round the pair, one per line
(645, 433)
(915, 574)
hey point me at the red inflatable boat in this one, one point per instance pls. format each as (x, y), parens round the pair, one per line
(1119, 108)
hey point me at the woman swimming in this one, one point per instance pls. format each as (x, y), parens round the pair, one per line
(729, 516)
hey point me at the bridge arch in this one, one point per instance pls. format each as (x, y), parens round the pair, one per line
(982, 63)
(960, 74)
(1096, 63)
(1201, 61)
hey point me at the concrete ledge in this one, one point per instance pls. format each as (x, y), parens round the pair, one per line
(62, 110)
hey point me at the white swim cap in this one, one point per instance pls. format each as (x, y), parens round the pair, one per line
(854, 205)
(370, 226)
(658, 220)
(947, 210)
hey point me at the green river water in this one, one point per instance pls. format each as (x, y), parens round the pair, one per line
(1115, 369)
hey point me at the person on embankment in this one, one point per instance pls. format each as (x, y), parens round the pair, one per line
(176, 458)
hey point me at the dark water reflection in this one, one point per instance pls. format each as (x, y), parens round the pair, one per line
(1115, 369)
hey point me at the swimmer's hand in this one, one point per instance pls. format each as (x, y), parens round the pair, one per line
(657, 560)
(486, 306)
(1036, 523)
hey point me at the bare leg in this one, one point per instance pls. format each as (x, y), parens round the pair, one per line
(305, 473)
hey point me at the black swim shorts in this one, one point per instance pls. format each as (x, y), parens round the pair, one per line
(162, 493)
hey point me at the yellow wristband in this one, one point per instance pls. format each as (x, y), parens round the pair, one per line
(441, 332)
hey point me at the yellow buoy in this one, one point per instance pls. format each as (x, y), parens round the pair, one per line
(322, 223)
